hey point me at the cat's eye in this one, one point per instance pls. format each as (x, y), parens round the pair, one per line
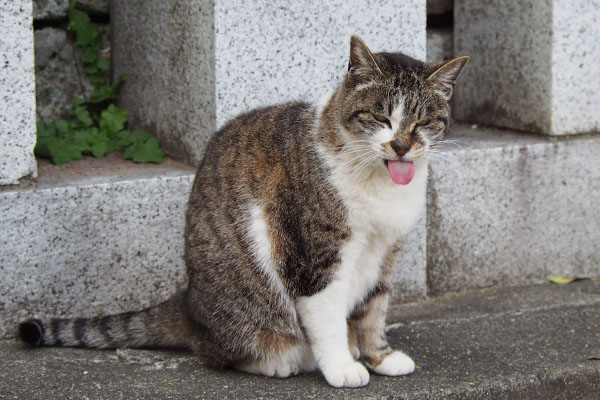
(381, 118)
(422, 122)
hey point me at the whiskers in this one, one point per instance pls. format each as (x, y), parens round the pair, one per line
(442, 149)
(356, 156)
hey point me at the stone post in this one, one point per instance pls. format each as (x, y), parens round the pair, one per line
(17, 85)
(535, 64)
(192, 65)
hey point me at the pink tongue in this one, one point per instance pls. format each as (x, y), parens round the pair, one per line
(401, 172)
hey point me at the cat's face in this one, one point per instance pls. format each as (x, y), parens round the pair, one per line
(394, 109)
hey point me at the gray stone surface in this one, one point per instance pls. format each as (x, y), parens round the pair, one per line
(410, 275)
(440, 45)
(205, 62)
(575, 55)
(58, 9)
(517, 343)
(501, 202)
(95, 243)
(50, 9)
(531, 64)
(17, 88)
(166, 50)
(58, 80)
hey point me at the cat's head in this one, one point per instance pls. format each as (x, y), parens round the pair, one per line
(393, 108)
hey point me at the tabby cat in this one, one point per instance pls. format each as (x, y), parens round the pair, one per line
(294, 221)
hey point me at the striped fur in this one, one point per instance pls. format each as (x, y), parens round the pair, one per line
(292, 229)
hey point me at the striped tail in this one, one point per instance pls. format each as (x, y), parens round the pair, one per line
(163, 325)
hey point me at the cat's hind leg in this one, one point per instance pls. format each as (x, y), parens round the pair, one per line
(290, 362)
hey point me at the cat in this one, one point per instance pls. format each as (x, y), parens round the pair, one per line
(294, 221)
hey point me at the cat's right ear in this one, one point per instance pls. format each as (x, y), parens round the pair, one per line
(362, 62)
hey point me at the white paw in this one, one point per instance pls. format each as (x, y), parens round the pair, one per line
(285, 370)
(395, 364)
(271, 369)
(349, 375)
(355, 352)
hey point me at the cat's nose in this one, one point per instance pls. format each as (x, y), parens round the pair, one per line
(400, 148)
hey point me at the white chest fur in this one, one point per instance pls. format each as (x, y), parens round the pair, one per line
(379, 214)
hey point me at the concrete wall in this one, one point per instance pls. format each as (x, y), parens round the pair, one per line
(17, 88)
(193, 65)
(533, 64)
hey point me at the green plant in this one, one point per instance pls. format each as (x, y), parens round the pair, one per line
(96, 125)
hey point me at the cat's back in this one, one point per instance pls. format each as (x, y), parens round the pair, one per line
(270, 129)
(262, 192)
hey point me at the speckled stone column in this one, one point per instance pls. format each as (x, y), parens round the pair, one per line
(17, 85)
(192, 65)
(534, 64)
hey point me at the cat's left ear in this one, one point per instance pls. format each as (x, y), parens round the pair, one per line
(444, 75)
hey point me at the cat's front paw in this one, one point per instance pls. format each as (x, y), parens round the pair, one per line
(395, 364)
(349, 375)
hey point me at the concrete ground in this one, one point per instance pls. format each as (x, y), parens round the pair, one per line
(535, 342)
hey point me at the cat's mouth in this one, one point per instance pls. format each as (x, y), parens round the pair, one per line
(401, 172)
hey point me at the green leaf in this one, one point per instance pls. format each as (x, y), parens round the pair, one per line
(102, 93)
(100, 149)
(85, 31)
(83, 116)
(44, 132)
(91, 69)
(145, 152)
(97, 43)
(78, 102)
(90, 56)
(103, 64)
(127, 138)
(63, 128)
(98, 79)
(113, 120)
(62, 150)
(142, 146)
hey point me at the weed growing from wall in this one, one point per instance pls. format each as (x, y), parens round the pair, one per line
(96, 125)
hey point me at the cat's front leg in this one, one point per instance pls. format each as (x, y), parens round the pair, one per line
(323, 317)
(369, 322)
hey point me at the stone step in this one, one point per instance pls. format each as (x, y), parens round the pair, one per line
(92, 237)
(501, 202)
(534, 342)
(105, 236)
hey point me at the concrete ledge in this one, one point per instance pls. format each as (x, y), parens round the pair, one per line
(103, 236)
(501, 202)
(103, 240)
(504, 208)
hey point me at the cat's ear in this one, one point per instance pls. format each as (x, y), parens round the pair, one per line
(361, 59)
(444, 75)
